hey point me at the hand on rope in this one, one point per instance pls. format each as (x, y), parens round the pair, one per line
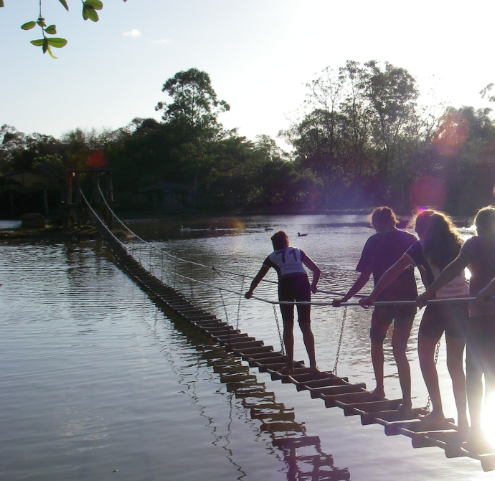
(366, 302)
(422, 299)
(337, 302)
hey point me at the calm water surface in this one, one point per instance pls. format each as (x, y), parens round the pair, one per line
(97, 382)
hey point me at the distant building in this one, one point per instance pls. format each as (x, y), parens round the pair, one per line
(26, 192)
(26, 179)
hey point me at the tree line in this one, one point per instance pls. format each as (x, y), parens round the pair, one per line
(362, 139)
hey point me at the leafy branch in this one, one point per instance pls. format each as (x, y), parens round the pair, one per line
(89, 11)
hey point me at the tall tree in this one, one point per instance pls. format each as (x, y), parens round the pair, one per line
(194, 104)
(392, 94)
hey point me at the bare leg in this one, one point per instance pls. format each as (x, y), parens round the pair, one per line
(455, 352)
(289, 345)
(377, 359)
(426, 353)
(288, 320)
(309, 342)
(474, 388)
(404, 371)
(400, 336)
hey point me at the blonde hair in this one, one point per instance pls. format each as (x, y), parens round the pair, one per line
(441, 239)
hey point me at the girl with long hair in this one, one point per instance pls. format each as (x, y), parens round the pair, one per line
(478, 253)
(438, 245)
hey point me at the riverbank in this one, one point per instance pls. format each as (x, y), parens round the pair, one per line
(61, 234)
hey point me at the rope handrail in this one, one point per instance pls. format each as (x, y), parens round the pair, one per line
(311, 303)
(447, 300)
(343, 304)
(162, 251)
(99, 218)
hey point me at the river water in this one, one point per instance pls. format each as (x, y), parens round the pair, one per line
(98, 382)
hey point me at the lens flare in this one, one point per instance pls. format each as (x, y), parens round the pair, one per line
(97, 159)
(427, 191)
(488, 419)
(452, 134)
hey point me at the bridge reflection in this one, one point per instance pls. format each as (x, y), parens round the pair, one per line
(301, 455)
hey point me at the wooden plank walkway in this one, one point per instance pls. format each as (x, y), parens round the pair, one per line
(352, 398)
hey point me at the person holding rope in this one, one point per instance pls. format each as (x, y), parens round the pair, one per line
(380, 252)
(293, 286)
(478, 253)
(438, 245)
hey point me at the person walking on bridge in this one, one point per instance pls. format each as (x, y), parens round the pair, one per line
(380, 252)
(293, 286)
(439, 244)
(478, 254)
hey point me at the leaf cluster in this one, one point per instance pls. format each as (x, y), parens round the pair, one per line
(90, 10)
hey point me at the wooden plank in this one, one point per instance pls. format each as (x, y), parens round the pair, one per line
(415, 425)
(358, 397)
(354, 408)
(388, 416)
(325, 382)
(245, 351)
(342, 389)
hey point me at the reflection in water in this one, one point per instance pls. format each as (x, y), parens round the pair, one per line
(301, 455)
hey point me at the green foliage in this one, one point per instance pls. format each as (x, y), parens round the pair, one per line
(28, 25)
(361, 141)
(89, 11)
(194, 104)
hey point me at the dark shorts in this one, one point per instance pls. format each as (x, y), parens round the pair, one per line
(295, 289)
(449, 318)
(480, 351)
(401, 316)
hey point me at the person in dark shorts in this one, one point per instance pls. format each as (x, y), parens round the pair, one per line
(438, 245)
(293, 286)
(478, 253)
(380, 252)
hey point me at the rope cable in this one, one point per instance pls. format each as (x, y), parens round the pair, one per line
(344, 304)
(282, 348)
(344, 317)
(437, 351)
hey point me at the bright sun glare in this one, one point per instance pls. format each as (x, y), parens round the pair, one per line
(488, 419)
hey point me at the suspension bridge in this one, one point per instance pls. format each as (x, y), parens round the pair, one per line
(334, 391)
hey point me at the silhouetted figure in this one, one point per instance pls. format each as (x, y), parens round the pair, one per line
(293, 286)
(438, 245)
(380, 252)
(478, 253)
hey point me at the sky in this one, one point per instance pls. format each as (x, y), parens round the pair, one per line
(259, 55)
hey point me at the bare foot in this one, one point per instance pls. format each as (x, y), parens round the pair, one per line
(475, 436)
(432, 419)
(405, 408)
(477, 443)
(314, 369)
(287, 369)
(378, 393)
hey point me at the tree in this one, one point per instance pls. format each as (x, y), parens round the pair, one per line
(392, 94)
(89, 11)
(194, 104)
